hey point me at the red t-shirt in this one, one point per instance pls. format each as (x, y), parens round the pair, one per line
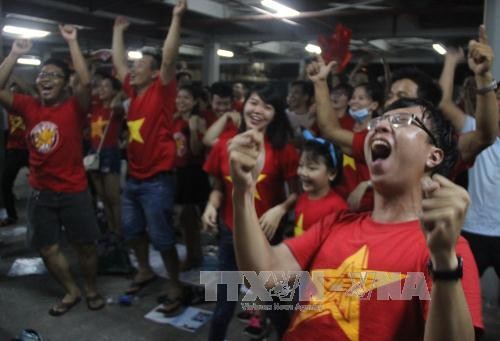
(347, 122)
(99, 119)
(280, 165)
(182, 134)
(308, 211)
(151, 147)
(238, 105)
(55, 143)
(355, 171)
(17, 132)
(346, 247)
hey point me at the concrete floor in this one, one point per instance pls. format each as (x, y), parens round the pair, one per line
(24, 302)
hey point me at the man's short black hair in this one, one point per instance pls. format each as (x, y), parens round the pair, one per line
(60, 64)
(427, 88)
(222, 90)
(441, 129)
(155, 53)
(344, 87)
(306, 86)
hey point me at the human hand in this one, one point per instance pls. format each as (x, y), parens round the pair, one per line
(180, 8)
(318, 71)
(68, 32)
(209, 218)
(480, 57)
(121, 23)
(270, 220)
(21, 46)
(454, 55)
(234, 116)
(444, 207)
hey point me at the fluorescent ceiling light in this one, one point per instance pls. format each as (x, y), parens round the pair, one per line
(24, 32)
(29, 60)
(274, 15)
(439, 48)
(225, 53)
(134, 55)
(311, 48)
(281, 10)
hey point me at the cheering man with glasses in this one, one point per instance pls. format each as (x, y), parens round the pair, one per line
(59, 197)
(401, 272)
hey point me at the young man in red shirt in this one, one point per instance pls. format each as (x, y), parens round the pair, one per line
(367, 262)
(54, 125)
(148, 196)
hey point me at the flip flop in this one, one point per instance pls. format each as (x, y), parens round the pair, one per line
(171, 307)
(136, 287)
(95, 302)
(63, 307)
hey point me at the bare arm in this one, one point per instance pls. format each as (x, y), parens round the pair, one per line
(172, 42)
(328, 123)
(19, 47)
(480, 60)
(196, 125)
(118, 48)
(450, 109)
(444, 209)
(253, 251)
(82, 91)
(213, 132)
(209, 217)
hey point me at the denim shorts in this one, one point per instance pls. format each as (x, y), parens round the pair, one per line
(48, 211)
(147, 207)
(109, 160)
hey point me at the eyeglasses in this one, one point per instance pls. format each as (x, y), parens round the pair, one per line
(402, 120)
(50, 75)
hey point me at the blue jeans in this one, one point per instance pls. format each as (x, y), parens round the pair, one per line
(147, 206)
(223, 308)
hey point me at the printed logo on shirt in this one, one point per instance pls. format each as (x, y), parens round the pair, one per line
(44, 137)
(16, 123)
(180, 144)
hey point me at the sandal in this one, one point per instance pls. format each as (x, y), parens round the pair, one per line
(171, 307)
(95, 302)
(136, 287)
(63, 307)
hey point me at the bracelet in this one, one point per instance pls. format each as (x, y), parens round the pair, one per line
(451, 275)
(490, 87)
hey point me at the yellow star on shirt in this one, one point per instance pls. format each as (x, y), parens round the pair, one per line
(349, 161)
(97, 127)
(134, 128)
(299, 227)
(343, 289)
(259, 179)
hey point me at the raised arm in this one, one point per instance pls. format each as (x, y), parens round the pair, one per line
(328, 122)
(443, 214)
(82, 91)
(213, 132)
(480, 60)
(19, 47)
(253, 251)
(456, 116)
(172, 42)
(118, 48)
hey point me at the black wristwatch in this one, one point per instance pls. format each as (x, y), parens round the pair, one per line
(452, 275)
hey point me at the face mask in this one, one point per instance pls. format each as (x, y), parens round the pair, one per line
(359, 115)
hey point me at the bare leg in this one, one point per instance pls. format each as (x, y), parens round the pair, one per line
(141, 249)
(87, 256)
(58, 267)
(112, 204)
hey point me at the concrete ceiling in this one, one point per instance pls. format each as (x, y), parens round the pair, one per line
(400, 30)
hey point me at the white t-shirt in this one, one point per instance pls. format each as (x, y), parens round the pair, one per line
(483, 215)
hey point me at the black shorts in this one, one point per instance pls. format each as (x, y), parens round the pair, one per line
(191, 185)
(49, 211)
(486, 251)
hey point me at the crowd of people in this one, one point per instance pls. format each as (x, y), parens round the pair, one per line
(334, 179)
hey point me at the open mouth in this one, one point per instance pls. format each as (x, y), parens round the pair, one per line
(256, 119)
(380, 149)
(45, 90)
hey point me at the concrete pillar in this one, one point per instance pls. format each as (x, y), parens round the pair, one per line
(2, 118)
(211, 63)
(492, 22)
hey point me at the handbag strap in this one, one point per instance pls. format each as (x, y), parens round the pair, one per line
(98, 151)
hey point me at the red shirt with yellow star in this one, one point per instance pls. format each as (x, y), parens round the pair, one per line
(376, 285)
(182, 135)
(151, 147)
(100, 117)
(17, 132)
(309, 211)
(55, 135)
(280, 165)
